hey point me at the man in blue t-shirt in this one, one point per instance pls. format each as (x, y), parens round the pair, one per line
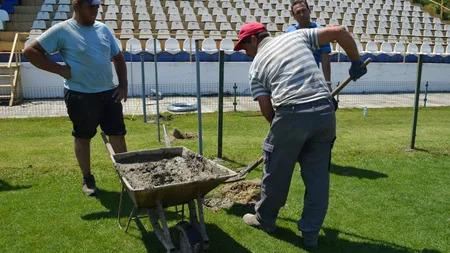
(87, 47)
(301, 12)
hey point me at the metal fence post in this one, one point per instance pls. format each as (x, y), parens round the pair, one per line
(234, 101)
(144, 109)
(220, 119)
(416, 101)
(155, 59)
(337, 96)
(199, 102)
(426, 94)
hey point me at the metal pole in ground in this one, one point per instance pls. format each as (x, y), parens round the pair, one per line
(416, 102)
(131, 70)
(155, 58)
(235, 94)
(220, 119)
(143, 88)
(337, 96)
(426, 95)
(199, 102)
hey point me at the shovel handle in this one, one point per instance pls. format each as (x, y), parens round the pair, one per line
(347, 81)
(108, 146)
(166, 137)
(252, 166)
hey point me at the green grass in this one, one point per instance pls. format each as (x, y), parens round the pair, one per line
(382, 199)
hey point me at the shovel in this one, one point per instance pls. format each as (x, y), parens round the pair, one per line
(242, 174)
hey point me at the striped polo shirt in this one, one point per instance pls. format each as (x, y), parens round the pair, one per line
(285, 69)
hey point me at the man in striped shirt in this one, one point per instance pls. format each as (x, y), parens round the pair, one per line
(303, 124)
(302, 14)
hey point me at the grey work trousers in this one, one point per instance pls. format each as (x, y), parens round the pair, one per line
(302, 133)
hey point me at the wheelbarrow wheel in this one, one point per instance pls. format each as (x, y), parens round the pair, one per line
(188, 238)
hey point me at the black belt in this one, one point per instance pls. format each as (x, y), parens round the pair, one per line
(303, 106)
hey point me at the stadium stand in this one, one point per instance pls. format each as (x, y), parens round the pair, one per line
(380, 27)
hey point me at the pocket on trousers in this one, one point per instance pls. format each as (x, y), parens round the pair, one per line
(267, 151)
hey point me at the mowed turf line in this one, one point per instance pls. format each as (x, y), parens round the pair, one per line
(382, 198)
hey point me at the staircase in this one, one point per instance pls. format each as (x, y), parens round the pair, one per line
(10, 84)
(10, 88)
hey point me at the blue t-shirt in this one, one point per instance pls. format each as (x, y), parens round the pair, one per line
(325, 48)
(87, 50)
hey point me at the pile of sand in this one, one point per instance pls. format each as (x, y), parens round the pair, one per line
(242, 192)
(180, 169)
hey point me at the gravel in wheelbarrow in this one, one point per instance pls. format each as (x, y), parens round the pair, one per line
(188, 167)
(172, 176)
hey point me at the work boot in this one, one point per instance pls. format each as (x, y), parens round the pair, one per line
(251, 220)
(89, 187)
(310, 240)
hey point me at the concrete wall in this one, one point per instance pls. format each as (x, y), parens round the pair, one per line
(180, 78)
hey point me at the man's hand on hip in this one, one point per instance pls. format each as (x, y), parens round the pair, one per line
(121, 93)
(66, 72)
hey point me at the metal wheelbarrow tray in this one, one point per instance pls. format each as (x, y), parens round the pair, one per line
(191, 236)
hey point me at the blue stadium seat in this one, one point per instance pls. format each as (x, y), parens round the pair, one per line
(396, 58)
(373, 57)
(384, 57)
(447, 59)
(13, 2)
(238, 56)
(8, 7)
(182, 57)
(435, 59)
(411, 58)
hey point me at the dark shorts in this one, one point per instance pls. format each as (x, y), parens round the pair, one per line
(89, 110)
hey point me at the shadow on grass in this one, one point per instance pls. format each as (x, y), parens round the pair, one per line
(4, 186)
(219, 240)
(349, 171)
(110, 200)
(431, 152)
(332, 243)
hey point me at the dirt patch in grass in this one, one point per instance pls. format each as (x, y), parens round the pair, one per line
(180, 135)
(242, 192)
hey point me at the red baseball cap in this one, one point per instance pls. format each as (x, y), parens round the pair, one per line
(247, 30)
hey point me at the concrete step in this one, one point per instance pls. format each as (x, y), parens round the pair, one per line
(27, 9)
(23, 17)
(21, 26)
(32, 2)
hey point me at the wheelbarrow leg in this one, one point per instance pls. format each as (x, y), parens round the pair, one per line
(120, 211)
(163, 234)
(120, 207)
(198, 222)
(130, 218)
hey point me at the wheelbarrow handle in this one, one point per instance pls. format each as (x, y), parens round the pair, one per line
(166, 137)
(108, 146)
(252, 166)
(347, 81)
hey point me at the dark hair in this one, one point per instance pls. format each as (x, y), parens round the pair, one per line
(80, 2)
(298, 2)
(260, 36)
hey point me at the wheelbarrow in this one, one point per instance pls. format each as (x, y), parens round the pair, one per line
(191, 235)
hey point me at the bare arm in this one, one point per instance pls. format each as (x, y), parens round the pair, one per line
(265, 104)
(121, 70)
(326, 66)
(35, 53)
(342, 36)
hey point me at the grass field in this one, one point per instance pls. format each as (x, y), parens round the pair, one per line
(382, 199)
